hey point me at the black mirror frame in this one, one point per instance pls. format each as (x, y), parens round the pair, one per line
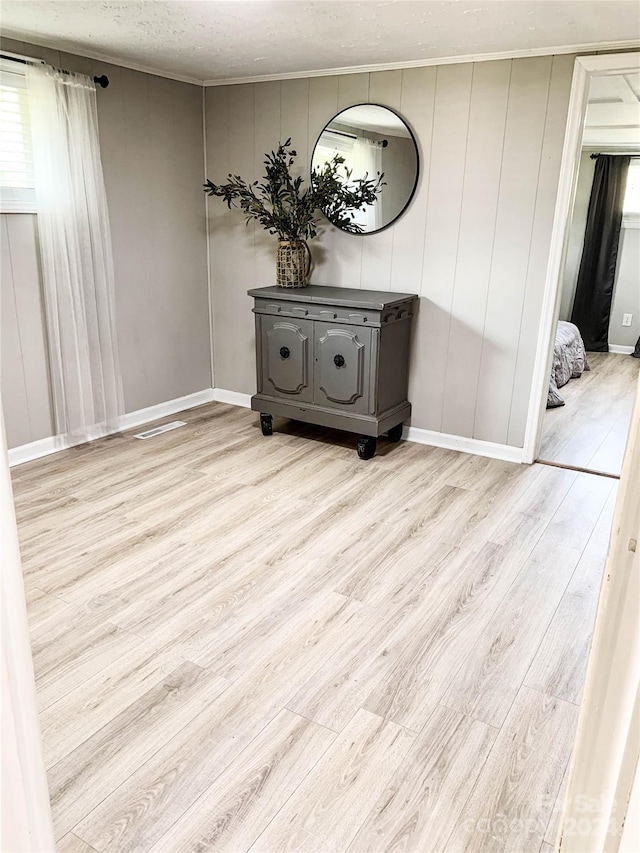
(415, 183)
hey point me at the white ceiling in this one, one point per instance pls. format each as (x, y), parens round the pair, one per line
(217, 40)
(613, 112)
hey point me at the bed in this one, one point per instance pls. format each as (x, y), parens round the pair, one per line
(569, 361)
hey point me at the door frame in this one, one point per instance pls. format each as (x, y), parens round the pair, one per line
(26, 813)
(585, 68)
(604, 761)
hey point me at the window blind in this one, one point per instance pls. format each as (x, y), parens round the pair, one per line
(17, 186)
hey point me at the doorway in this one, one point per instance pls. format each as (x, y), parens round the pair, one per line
(582, 421)
(594, 365)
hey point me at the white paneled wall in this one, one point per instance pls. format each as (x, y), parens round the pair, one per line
(24, 377)
(473, 243)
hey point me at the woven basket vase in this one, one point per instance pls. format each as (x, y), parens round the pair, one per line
(294, 263)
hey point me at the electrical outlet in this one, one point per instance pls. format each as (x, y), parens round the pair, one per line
(627, 319)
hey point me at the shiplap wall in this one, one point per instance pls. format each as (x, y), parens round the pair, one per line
(24, 374)
(152, 156)
(473, 243)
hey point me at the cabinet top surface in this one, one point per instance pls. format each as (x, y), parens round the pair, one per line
(353, 297)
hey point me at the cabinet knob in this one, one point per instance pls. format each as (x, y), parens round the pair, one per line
(338, 360)
(284, 352)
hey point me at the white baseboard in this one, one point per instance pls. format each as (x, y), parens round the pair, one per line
(233, 398)
(420, 436)
(464, 445)
(56, 443)
(37, 449)
(161, 410)
(46, 446)
(621, 350)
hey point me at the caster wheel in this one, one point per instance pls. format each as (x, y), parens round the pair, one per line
(266, 424)
(366, 447)
(395, 433)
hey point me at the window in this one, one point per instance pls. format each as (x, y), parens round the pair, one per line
(17, 186)
(631, 204)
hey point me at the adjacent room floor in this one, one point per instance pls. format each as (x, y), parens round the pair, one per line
(590, 430)
(266, 644)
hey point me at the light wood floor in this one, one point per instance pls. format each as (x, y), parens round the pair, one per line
(266, 644)
(590, 430)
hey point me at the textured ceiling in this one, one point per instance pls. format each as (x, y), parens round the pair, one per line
(211, 40)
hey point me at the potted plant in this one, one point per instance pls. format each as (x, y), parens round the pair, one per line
(283, 207)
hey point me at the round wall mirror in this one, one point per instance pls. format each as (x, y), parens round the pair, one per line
(372, 139)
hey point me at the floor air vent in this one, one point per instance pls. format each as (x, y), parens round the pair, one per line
(151, 433)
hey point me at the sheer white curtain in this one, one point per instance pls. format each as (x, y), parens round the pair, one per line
(367, 157)
(75, 248)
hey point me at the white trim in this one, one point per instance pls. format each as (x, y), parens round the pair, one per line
(233, 398)
(36, 450)
(631, 44)
(425, 63)
(11, 206)
(56, 443)
(47, 446)
(463, 445)
(630, 839)
(414, 434)
(631, 220)
(21, 56)
(161, 410)
(620, 349)
(26, 813)
(630, 148)
(585, 67)
(605, 753)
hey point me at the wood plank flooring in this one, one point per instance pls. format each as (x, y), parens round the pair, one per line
(590, 430)
(247, 643)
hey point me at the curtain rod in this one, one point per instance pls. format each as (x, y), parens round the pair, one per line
(631, 154)
(102, 81)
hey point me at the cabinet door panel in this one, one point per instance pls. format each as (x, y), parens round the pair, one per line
(342, 356)
(287, 365)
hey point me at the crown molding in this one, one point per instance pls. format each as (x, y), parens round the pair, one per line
(425, 63)
(27, 38)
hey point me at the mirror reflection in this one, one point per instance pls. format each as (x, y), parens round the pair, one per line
(372, 140)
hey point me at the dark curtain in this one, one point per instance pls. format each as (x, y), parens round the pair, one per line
(594, 290)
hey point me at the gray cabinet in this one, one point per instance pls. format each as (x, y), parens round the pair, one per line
(334, 356)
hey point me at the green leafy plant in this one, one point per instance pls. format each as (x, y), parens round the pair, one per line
(283, 207)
